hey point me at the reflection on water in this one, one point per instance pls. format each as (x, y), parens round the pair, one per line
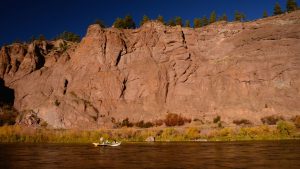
(283, 154)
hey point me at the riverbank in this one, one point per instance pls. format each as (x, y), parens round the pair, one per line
(283, 130)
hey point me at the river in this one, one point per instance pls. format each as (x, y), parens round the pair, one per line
(266, 154)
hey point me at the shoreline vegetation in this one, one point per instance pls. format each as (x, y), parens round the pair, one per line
(173, 128)
(283, 130)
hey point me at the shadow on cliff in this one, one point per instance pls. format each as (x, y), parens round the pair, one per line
(7, 95)
(8, 114)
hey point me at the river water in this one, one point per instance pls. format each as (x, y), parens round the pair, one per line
(267, 154)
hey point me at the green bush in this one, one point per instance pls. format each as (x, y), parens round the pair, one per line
(126, 23)
(285, 128)
(68, 36)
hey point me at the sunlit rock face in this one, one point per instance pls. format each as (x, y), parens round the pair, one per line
(234, 70)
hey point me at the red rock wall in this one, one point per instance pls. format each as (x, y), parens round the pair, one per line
(235, 70)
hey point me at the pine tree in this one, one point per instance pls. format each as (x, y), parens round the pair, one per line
(213, 17)
(197, 23)
(119, 23)
(100, 23)
(178, 21)
(238, 16)
(160, 19)
(32, 38)
(265, 14)
(129, 22)
(68, 36)
(41, 37)
(204, 21)
(172, 22)
(243, 17)
(223, 17)
(277, 9)
(187, 23)
(17, 41)
(144, 20)
(291, 5)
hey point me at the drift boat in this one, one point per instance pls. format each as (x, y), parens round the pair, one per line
(113, 144)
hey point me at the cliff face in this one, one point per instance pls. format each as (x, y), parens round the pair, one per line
(235, 70)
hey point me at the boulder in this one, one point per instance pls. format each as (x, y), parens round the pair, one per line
(150, 139)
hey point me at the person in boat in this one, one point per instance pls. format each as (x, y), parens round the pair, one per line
(101, 140)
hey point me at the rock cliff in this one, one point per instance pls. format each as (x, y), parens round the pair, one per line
(234, 70)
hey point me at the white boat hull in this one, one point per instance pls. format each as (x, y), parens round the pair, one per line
(107, 144)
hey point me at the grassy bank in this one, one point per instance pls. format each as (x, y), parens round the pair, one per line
(283, 130)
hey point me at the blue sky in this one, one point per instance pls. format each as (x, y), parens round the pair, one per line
(21, 19)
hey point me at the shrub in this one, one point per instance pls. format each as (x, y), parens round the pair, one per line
(255, 132)
(271, 120)
(68, 36)
(173, 119)
(242, 122)
(44, 124)
(57, 103)
(172, 22)
(8, 115)
(63, 46)
(192, 133)
(169, 134)
(144, 20)
(296, 121)
(225, 132)
(197, 23)
(113, 120)
(41, 37)
(126, 123)
(217, 119)
(285, 128)
(142, 124)
(159, 122)
(100, 23)
(187, 120)
(126, 23)
(160, 19)
(220, 124)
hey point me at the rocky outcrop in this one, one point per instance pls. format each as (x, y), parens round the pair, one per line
(234, 70)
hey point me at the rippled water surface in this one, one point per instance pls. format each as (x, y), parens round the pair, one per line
(280, 154)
